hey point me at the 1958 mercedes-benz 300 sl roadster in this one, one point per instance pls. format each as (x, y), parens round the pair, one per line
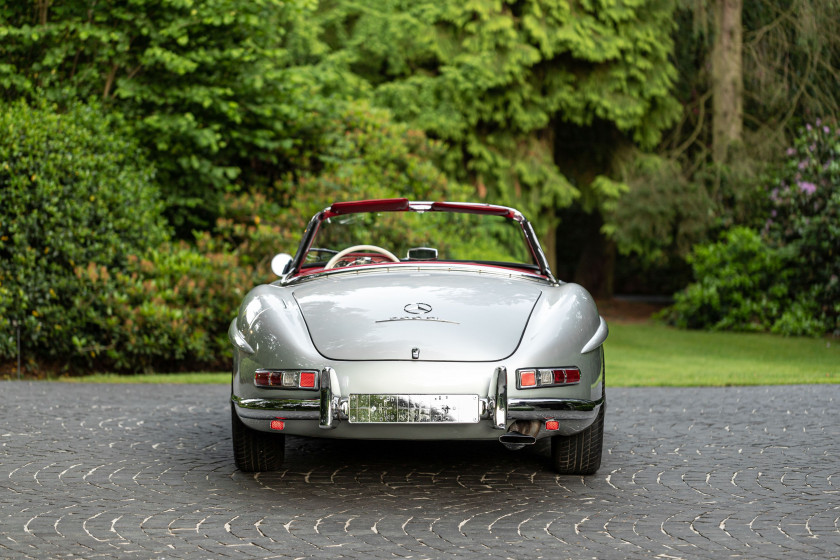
(418, 321)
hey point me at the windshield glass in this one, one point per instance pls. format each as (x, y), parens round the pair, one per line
(413, 236)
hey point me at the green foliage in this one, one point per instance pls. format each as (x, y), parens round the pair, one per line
(741, 284)
(496, 80)
(662, 213)
(363, 154)
(788, 279)
(160, 311)
(205, 84)
(73, 190)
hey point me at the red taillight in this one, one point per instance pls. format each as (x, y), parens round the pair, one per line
(548, 377)
(552, 425)
(278, 425)
(572, 375)
(566, 375)
(286, 379)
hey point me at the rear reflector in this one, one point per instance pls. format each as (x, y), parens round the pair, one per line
(307, 379)
(278, 425)
(552, 425)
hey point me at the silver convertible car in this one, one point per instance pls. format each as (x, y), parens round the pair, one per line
(400, 320)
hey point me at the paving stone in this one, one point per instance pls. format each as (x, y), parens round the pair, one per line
(116, 471)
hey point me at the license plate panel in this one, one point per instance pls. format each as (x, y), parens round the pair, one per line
(413, 409)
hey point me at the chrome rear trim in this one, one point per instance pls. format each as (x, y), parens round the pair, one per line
(552, 405)
(558, 409)
(500, 413)
(326, 405)
(278, 405)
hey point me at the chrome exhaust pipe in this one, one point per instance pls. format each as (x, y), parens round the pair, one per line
(520, 434)
(516, 438)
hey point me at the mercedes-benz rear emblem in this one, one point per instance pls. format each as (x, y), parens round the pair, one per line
(417, 308)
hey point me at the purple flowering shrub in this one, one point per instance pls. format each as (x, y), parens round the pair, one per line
(786, 277)
(804, 218)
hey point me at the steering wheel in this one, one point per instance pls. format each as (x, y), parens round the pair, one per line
(355, 248)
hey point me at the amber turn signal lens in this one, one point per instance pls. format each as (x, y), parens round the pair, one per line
(528, 378)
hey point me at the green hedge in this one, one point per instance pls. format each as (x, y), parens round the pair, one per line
(743, 284)
(75, 190)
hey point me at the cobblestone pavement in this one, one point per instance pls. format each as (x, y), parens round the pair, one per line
(134, 471)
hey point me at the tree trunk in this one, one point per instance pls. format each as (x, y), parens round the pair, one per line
(727, 78)
(42, 7)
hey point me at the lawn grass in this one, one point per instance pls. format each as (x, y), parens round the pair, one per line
(198, 378)
(650, 354)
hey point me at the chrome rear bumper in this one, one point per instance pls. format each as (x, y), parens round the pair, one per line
(329, 409)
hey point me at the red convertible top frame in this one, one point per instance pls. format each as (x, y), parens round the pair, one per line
(403, 205)
(356, 206)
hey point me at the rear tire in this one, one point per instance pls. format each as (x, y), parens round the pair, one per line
(580, 454)
(253, 450)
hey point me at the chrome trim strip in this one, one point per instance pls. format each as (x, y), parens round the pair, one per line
(573, 414)
(269, 409)
(552, 405)
(252, 414)
(500, 412)
(598, 338)
(280, 405)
